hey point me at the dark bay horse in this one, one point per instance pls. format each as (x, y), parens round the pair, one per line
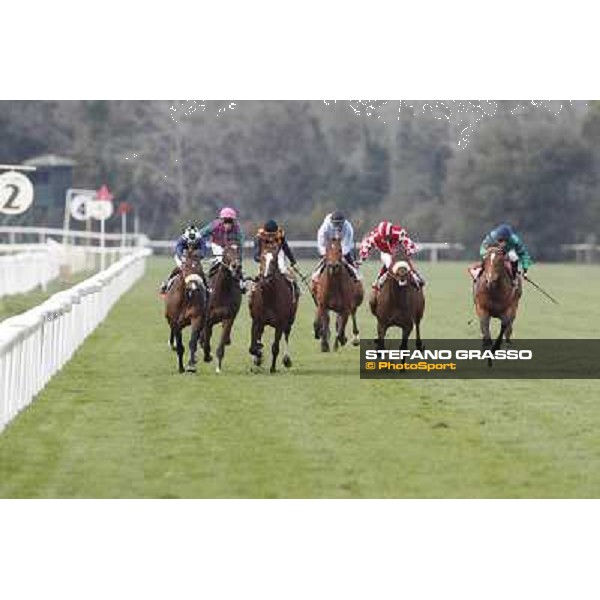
(224, 303)
(336, 290)
(272, 302)
(495, 296)
(399, 304)
(185, 304)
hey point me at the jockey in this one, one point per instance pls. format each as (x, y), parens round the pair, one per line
(220, 232)
(189, 240)
(390, 239)
(271, 234)
(506, 238)
(335, 224)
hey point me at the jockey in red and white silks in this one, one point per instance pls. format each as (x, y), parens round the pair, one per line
(390, 240)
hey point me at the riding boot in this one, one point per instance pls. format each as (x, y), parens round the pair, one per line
(515, 274)
(378, 283)
(165, 285)
(318, 269)
(243, 286)
(207, 289)
(352, 271)
(418, 279)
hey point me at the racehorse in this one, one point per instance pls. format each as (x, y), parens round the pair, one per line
(399, 303)
(185, 304)
(272, 302)
(338, 291)
(225, 300)
(495, 296)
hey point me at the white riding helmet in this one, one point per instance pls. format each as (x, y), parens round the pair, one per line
(191, 233)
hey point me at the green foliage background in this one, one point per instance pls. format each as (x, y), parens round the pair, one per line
(448, 171)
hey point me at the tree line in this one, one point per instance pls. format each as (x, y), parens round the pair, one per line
(447, 171)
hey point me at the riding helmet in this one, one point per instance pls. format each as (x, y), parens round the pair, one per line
(191, 233)
(228, 213)
(503, 232)
(271, 226)
(337, 218)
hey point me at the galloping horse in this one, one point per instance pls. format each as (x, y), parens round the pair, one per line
(495, 296)
(399, 304)
(336, 290)
(185, 304)
(273, 302)
(225, 300)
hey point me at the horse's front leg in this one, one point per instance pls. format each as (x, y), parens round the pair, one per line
(255, 341)
(179, 347)
(287, 361)
(317, 324)
(355, 332)
(325, 333)
(197, 325)
(206, 342)
(275, 348)
(512, 315)
(484, 326)
(406, 331)
(419, 342)
(505, 322)
(341, 321)
(381, 331)
(225, 335)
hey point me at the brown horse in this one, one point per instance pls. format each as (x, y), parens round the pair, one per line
(185, 304)
(272, 302)
(225, 300)
(399, 303)
(338, 291)
(495, 296)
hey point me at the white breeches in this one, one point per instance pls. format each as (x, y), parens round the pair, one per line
(281, 263)
(178, 261)
(386, 259)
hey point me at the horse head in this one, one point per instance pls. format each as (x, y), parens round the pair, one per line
(334, 254)
(268, 262)
(494, 268)
(191, 270)
(400, 271)
(231, 259)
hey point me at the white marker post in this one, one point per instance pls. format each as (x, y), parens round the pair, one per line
(76, 207)
(102, 209)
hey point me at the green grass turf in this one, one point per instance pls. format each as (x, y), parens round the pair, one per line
(119, 421)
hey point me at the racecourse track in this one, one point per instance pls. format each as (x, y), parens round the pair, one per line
(120, 421)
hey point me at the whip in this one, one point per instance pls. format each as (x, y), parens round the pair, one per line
(537, 287)
(305, 282)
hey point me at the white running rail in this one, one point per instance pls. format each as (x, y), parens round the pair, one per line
(36, 344)
(14, 234)
(24, 267)
(20, 273)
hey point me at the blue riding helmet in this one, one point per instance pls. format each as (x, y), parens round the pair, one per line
(271, 226)
(503, 232)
